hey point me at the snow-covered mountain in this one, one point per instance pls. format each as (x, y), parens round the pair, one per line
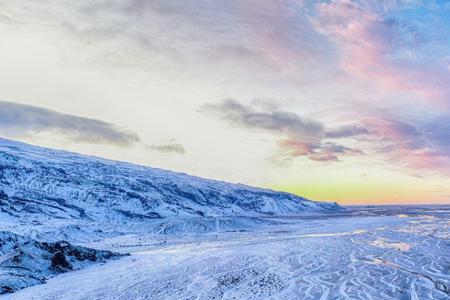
(37, 182)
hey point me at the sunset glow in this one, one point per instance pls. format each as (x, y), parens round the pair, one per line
(339, 100)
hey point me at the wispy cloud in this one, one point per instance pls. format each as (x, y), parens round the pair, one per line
(391, 52)
(420, 147)
(323, 151)
(169, 147)
(300, 136)
(192, 35)
(24, 120)
(346, 131)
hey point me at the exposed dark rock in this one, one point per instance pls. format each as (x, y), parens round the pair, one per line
(28, 262)
(60, 263)
(6, 289)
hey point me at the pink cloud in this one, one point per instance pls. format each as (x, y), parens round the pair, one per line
(408, 146)
(296, 136)
(391, 130)
(322, 151)
(424, 160)
(366, 41)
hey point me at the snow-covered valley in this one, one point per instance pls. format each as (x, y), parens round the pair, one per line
(364, 253)
(64, 216)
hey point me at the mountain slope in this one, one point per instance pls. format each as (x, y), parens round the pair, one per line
(38, 183)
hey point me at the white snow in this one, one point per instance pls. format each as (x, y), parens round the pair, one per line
(304, 258)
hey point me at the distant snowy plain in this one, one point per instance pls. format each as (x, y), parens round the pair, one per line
(362, 253)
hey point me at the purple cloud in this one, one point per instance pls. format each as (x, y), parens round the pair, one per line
(301, 137)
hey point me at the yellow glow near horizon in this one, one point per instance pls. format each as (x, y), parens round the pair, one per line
(358, 193)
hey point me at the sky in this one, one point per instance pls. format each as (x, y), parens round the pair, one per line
(338, 100)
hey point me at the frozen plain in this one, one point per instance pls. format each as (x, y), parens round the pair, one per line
(360, 253)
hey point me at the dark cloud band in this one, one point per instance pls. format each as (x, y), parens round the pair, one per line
(21, 120)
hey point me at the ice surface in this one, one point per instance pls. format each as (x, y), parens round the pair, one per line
(357, 254)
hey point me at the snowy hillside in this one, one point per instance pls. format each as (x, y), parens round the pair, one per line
(42, 184)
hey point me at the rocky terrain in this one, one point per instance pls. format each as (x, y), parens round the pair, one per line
(25, 262)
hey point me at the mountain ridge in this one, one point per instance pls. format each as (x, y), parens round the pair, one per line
(60, 184)
(4, 141)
